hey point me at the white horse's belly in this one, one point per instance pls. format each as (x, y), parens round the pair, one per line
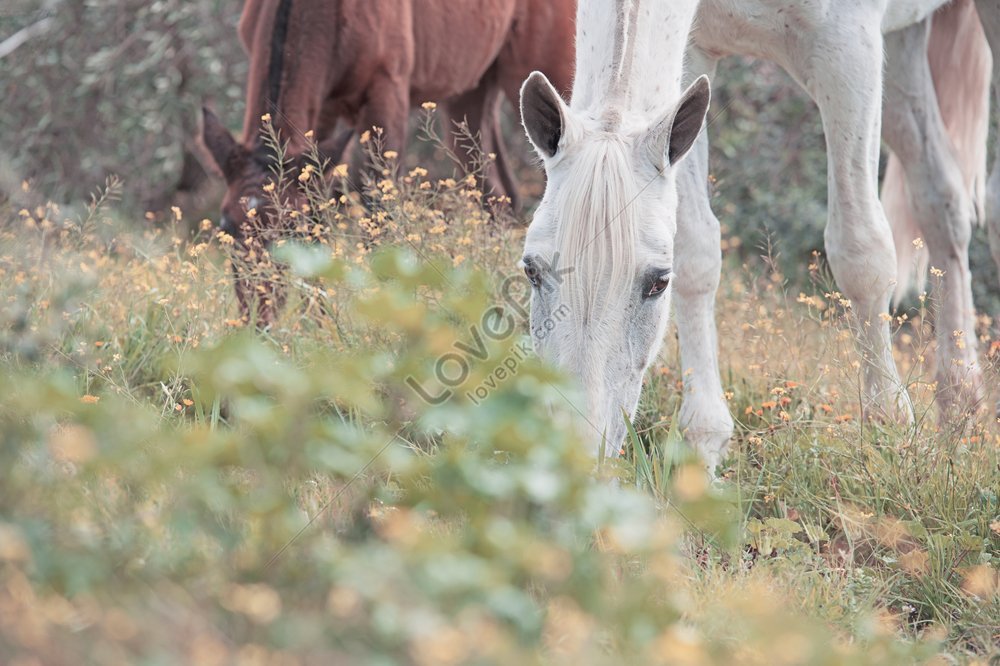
(776, 29)
(756, 28)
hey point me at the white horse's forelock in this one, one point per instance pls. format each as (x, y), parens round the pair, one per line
(597, 230)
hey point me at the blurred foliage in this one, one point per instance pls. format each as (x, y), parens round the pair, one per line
(768, 162)
(114, 87)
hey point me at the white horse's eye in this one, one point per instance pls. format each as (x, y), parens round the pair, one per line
(531, 272)
(657, 286)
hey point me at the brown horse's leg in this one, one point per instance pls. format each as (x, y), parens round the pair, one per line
(387, 109)
(244, 293)
(502, 166)
(260, 298)
(479, 109)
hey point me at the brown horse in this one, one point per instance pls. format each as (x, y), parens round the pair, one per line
(315, 62)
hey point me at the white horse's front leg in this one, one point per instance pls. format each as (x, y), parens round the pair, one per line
(704, 418)
(989, 14)
(842, 71)
(993, 183)
(942, 207)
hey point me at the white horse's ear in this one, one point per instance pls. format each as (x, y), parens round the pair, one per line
(671, 137)
(543, 114)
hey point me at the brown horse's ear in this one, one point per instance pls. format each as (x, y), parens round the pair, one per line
(221, 145)
(671, 137)
(543, 114)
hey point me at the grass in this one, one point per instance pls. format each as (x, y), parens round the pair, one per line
(180, 489)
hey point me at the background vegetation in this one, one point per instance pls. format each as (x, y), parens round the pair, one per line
(178, 489)
(115, 87)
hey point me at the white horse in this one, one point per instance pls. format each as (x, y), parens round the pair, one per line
(600, 250)
(839, 52)
(609, 218)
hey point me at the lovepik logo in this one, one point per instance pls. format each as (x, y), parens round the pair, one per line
(497, 323)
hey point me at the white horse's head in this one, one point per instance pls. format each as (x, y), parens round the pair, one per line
(600, 250)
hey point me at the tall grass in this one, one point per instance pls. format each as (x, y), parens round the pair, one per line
(179, 488)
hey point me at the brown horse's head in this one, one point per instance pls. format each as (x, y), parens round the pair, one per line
(246, 210)
(246, 172)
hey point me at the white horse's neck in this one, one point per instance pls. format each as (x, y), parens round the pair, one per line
(645, 40)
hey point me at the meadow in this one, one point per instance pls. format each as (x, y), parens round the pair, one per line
(387, 475)
(362, 483)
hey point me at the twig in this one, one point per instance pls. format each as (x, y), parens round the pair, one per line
(36, 29)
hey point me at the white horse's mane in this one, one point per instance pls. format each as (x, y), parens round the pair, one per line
(599, 235)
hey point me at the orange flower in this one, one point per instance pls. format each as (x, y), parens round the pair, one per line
(824, 408)
(770, 404)
(89, 399)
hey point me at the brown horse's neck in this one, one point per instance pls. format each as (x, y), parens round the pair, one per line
(276, 65)
(267, 46)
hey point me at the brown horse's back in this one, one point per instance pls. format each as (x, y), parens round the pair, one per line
(542, 38)
(336, 51)
(366, 62)
(460, 41)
